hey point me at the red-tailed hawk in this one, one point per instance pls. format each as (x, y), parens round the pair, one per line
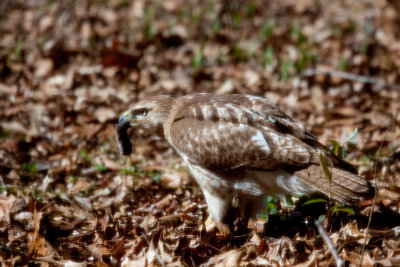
(242, 147)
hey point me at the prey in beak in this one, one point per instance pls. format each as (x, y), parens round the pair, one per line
(124, 142)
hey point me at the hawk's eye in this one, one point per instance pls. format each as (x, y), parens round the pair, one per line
(140, 112)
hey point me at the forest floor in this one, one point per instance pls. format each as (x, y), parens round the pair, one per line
(69, 69)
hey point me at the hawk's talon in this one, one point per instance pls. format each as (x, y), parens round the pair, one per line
(222, 228)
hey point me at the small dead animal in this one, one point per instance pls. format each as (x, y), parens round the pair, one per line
(124, 142)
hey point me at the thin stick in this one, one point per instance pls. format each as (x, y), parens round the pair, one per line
(324, 234)
(349, 76)
(376, 187)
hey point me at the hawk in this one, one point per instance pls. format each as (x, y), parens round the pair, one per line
(242, 147)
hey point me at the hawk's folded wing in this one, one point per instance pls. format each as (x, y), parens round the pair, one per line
(226, 135)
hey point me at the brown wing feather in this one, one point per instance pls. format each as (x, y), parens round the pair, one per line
(226, 135)
(264, 111)
(346, 187)
(215, 145)
(285, 124)
(273, 114)
(257, 112)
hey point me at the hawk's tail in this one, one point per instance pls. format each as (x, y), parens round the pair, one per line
(345, 186)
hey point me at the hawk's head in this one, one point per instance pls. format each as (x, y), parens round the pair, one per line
(148, 114)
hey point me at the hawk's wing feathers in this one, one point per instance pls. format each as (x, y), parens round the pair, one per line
(285, 124)
(345, 186)
(272, 113)
(229, 136)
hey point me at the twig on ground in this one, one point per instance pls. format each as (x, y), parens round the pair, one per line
(376, 187)
(313, 259)
(49, 260)
(324, 234)
(349, 76)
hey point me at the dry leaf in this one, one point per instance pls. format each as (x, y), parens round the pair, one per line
(231, 258)
(36, 244)
(6, 204)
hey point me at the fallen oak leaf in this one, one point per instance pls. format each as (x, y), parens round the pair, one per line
(35, 242)
(98, 250)
(6, 204)
(229, 258)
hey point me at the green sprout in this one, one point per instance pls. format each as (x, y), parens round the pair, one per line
(148, 28)
(235, 202)
(29, 167)
(149, 13)
(127, 171)
(268, 56)
(149, 31)
(342, 64)
(297, 35)
(217, 25)
(196, 17)
(73, 179)
(100, 167)
(236, 19)
(93, 40)
(155, 176)
(327, 172)
(340, 150)
(305, 59)
(267, 30)
(171, 23)
(238, 54)
(18, 48)
(336, 31)
(324, 165)
(341, 208)
(270, 209)
(313, 201)
(198, 59)
(85, 155)
(37, 195)
(251, 9)
(185, 13)
(351, 28)
(285, 69)
(210, 6)
(3, 188)
(364, 48)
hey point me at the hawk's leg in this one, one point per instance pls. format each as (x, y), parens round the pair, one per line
(250, 207)
(218, 208)
(218, 198)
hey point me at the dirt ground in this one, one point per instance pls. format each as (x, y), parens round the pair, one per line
(69, 69)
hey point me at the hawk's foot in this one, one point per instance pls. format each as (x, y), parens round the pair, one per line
(222, 228)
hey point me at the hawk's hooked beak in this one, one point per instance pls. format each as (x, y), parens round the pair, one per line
(124, 143)
(122, 119)
(126, 117)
